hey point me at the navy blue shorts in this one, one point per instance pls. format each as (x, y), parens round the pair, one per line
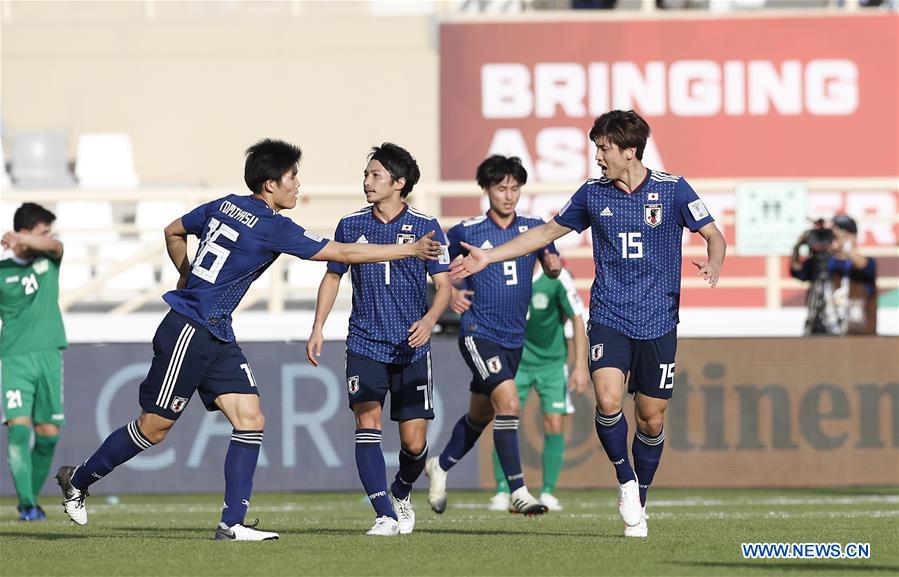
(187, 358)
(410, 384)
(490, 363)
(649, 362)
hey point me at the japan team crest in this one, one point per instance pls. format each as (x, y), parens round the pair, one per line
(596, 352)
(494, 365)
(178, 404)
(652, 214)
(352, 384)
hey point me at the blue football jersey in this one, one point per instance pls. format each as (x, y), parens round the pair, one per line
(240, 237)
(637, 241)
(388, 296)
(502, 291)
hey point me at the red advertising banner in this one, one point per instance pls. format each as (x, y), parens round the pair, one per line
(737, 97)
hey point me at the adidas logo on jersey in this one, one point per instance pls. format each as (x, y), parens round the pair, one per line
(486, 245)
(362, 240)
(606, 212)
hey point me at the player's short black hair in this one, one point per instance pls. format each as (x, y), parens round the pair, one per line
(399, 163)
(845, 222)
(29, 215)
(268, 160)
(496, 168)
(624, 128)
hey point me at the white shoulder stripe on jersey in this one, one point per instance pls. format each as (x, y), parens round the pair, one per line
(421, 214)
(174, 368)
(359, 212)
(474, 220)
(476, 357)
(663, 176)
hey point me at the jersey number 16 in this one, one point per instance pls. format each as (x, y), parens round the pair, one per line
(221, 254)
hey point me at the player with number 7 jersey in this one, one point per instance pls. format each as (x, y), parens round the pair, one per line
(194, 347)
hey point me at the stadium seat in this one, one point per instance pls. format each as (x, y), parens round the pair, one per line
(41, 161)
(136, 276)
(152, 216)
(105, 160)
(76, 269)
(305, 275)
(7, 210)
(88, 222)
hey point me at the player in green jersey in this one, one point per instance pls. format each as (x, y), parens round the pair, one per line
(544, 366)
(31, 341)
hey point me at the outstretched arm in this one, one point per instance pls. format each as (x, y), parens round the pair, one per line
(42, 243)
(710, 270)
(533, 239)
(327, 294)
(357, 253)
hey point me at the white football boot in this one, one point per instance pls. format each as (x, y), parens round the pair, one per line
(499, 502)
(551, 502)
(629, 503)
(73, 499)
(437, 489)
(523, 502)
(641, 529)
(385, 527)
(405, 513)
(241, 532)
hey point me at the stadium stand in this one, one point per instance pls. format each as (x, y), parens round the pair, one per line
(105, 160)
(41, 161)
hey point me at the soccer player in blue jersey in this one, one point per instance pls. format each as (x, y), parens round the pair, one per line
(637, 216)
(194, 347)
(388, 345)
(492, 331)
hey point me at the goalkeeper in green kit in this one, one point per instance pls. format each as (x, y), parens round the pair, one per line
(544, 366)
(31, 341)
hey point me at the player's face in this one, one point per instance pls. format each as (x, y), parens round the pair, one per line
(40, 229)
(378, 185)
(286, 190)
(611, 159)
(504, 196)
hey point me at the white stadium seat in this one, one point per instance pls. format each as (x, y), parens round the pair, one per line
(152, 216)
(136, 275)
(89, 222)
(105, 160)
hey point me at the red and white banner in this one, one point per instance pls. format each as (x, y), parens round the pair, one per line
(761, 97)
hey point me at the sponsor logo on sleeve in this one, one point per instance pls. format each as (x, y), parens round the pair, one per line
(698, 209)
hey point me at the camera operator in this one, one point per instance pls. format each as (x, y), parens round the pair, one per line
(842, 298)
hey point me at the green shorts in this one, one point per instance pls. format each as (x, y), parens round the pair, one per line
(32, 387)
(551, 383)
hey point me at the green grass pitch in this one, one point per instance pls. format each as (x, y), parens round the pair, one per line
(692, 532)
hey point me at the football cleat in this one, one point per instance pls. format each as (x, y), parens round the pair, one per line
(499, 502)
(437, 488)
(551, 502)
(405, 513)
(240, 532)
(34, 513)
(73, 499)
(629, 503)
(641, 529)
(385, 527)
(521, 501)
